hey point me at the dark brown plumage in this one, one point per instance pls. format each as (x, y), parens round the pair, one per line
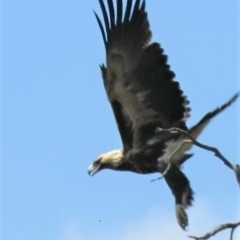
(144, 97)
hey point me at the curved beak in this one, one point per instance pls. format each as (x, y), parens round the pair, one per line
(93, 169)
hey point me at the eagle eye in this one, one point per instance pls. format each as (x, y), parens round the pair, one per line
(98, 161)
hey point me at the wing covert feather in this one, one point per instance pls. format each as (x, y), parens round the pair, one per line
(123, 121)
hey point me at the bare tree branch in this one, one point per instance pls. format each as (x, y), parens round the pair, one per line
(217, 153)
(219, 228)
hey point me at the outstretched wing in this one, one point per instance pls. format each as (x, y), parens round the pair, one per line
(137, 74)
(123, 121)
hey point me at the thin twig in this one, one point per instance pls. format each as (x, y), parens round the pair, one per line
(170, 158)
(217, 153)
(219, 228)
(163, 174)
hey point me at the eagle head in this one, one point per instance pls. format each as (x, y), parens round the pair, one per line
(110, 160)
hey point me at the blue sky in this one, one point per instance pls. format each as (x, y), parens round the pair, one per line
(56, 120)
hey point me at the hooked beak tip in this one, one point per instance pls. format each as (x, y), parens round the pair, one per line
(92, 170)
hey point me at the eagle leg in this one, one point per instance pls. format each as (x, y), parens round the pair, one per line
(181, 189)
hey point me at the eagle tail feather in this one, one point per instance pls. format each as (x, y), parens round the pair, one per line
(196, 130)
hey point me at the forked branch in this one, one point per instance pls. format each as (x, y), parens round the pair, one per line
(217, 153)
(219, 228)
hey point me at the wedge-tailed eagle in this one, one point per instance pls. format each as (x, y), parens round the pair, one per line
(144, 97)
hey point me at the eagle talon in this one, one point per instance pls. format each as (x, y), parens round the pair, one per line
(182, 216)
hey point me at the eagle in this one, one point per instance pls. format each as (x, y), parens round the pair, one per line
(145, 98)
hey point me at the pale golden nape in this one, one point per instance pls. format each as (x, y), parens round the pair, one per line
(111, 160)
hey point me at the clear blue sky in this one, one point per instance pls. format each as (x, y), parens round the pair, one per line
(56, 120)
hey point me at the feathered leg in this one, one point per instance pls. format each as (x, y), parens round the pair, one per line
(181, 189)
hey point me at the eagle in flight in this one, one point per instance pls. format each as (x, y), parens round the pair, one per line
(144, 97)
